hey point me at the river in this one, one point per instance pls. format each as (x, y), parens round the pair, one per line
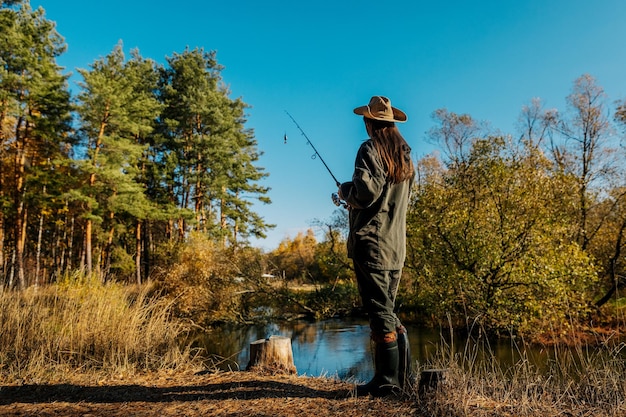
(341, 347)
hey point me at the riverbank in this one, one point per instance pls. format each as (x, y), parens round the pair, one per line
(94, 350)
(188, 394)
(240, 393)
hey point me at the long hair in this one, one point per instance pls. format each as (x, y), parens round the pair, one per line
(392, 148)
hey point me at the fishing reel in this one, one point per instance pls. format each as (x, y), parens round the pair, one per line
(338, 201)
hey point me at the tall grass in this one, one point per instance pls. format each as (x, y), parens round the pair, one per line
(86, 326)
(572, 381)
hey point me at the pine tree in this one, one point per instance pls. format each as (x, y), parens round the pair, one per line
(208, 155)
(34, 120)
(117, 109)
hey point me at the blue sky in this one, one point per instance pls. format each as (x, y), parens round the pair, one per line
(318, 60)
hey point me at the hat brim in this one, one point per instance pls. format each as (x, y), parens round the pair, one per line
(398, 115)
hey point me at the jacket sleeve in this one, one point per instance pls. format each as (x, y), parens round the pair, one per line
(368, 180)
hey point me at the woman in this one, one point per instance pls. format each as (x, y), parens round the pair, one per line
(377, 198)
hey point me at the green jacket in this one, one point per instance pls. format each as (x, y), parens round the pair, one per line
(377, 235)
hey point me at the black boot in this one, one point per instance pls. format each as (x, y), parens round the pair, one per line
(385, 381)
(406, 378)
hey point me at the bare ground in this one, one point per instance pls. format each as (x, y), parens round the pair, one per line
(187, 394)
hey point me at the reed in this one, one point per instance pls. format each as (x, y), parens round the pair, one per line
(571, 381)
(82, 325)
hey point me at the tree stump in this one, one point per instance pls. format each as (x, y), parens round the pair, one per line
(430, 379)
(273, 355)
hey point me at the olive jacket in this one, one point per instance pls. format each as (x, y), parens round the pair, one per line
(377, 236)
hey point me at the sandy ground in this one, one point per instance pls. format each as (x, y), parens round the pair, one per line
(217, 394)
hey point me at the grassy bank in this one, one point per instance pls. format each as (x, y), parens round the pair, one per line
(573, 382)
(82, 326)
(65, 336)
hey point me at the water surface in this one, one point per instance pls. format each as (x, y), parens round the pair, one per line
(341, 347)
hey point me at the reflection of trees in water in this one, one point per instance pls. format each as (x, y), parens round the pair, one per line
(425, 343)
(302, 332)
(341, 347)
(227, 346)
(335, 347)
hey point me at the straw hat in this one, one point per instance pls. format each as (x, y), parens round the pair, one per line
(380, 108)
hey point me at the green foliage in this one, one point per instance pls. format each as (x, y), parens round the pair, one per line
(340, 299)
(208, 283)
(122, 264)
(488, 242)
(206, 156)
(34, 123)
(306, 260)
(331, 254)
(156, 152)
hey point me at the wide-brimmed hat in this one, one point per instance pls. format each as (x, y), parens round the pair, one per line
(380, 108)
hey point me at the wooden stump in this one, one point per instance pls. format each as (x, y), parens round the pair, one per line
(273, 355)
(430, 379)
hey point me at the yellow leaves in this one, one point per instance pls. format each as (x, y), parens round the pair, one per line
(295, 255)
(7, 128)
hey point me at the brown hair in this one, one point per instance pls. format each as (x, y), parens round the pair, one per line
(392, 148)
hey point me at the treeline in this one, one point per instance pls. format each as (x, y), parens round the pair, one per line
(107, 181)
(519, 233)
(526, 231)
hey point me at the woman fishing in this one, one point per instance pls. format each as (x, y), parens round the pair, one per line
(378, 198)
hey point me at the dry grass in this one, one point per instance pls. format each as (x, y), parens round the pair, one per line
(574, 382)
(80, 326)
(83, 348)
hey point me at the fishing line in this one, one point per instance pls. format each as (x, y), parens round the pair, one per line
(335, 197)
(316, 154)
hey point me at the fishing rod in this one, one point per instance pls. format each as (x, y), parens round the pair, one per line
(335, 197)
(316, 154)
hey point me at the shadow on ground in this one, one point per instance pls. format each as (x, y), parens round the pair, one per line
(244, 390)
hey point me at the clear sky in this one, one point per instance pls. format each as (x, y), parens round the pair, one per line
(318, 60)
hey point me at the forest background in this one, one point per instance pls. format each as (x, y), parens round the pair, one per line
(146, 177)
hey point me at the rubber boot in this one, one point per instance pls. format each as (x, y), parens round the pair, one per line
(385, 381)
(406, 378)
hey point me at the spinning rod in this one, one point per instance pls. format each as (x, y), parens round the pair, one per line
(316, 154)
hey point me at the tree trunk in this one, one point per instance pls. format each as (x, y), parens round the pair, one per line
(2, 262)
(88, 260)
(92, 181)
(138, 252)
(431, 379)
(273, 355)
(223, 218)
(615, 278)
(21, 243)
(20, 217)
(70, 245)
(38, 256)
(108, 249)
(147, 248)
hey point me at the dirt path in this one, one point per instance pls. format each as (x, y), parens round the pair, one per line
(220, 394)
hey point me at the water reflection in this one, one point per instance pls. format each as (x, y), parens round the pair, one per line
(333, 347)
(341, 348)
